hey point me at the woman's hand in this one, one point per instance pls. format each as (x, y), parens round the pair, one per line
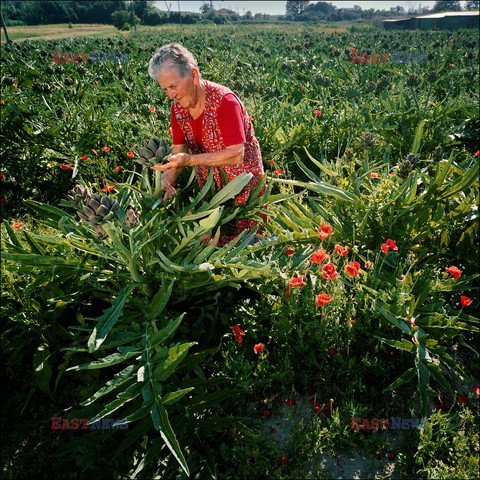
(168, 184)
(176, 160)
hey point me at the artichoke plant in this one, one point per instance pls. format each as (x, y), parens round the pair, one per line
(95, 209)
(132, 217)
(367, 140)
(153, 151)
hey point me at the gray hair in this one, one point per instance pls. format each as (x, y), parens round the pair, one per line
(172, 55)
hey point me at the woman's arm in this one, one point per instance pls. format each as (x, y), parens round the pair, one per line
(232, 155)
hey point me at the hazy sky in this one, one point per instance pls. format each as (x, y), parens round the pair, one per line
(278, 8)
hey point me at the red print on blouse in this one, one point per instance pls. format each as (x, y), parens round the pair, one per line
(213, 141)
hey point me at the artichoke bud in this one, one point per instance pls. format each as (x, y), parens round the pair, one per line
(132, 217)
(152, 145)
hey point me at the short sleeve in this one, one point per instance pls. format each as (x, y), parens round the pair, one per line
(178, 138)
(230, 120)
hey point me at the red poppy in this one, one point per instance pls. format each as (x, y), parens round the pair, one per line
(266, 413)
(66, 166)
(288, 293)
(296, 281)
(290, 402)
(384, 248)
(271, 162)
(317, 409)
(312, 401)
(238, 338)
(105, 149)
(302, 88)
(258, 347)
(339, 250)
(391, 454)
(374, 176)
(325, 231)
(17, 225)
(368, 264)
(318, 256)
(130, 154)
(455, 272)
(2, 102)
(328, 405)
(450, 65)
(272, 430)
(327, 412)
(169, 131)
(476, 389)
(118, 168)
(108, 188)
(283, 460)
(329, 271)
(391, 245)
(2, 177)
(15, 84)
(352, 268)
(465, 301)
(236, 329)
(462, 399)
(152, 109)
(94, 152)
(289, 251)
(278, 172)
(83, 157)
(3, 200)
(189, 212)
(318, 113)
(322, 299)
(477, 153)
(332, 351)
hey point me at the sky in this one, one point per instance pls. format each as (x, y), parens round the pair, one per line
(278, 7)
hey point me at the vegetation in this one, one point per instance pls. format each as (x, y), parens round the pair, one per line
(113, 307)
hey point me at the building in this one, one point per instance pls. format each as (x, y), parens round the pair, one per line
(435, 21)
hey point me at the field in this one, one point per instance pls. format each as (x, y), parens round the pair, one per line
(344, 346)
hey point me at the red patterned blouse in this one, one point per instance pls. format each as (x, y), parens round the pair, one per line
(205, 135)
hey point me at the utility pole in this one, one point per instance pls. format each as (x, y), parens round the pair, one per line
(5, 28)
(179, 12)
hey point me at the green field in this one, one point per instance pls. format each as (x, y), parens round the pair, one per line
(140, 320)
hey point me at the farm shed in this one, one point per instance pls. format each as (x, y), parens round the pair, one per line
(432, 21)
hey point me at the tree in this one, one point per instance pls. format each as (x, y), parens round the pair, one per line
(472, 5)
(447, 6)
(248, 16)
(205, 8)
(296, 7)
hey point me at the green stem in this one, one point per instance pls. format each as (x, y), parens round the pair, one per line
(158, 184)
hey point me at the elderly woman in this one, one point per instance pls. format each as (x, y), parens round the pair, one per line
(209, 121)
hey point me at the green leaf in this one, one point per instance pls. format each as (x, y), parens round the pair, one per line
(165, 333)
(231, 190)
(418, 136)
(175, 355)
(109, 318)
(162, 424)
(43, 370)
(406, 377)
(173, 397)
(132, 392)
(108, 361)
(160, 299)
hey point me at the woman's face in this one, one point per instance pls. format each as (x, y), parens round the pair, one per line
(183, 90)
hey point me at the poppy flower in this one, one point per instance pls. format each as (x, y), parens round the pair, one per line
(278, 172)
(325, 231)
(332, 351)
(329, 271)
(17, 225)
(317, 409)
(477, 153)
(169, 131)
(450, 65)
(296, 281)
(384, 248)
(266, 413)
(152, 109)
(368, 264)
(94, 152)
(271, 162)
(318, 113)
(322, 299)
(238, 338)
(391, 454)
(108, 188)
(272, 430)
(465, 301)
(105, 149)
(283, 460)
(118, 169)
(476, 389)
(391, 244)
(15, 84)
(318, 256)
(327, 412)
(462, 399)
(289, 251)
(189, 212)
(66, 166)
(455, 272)
(2, 102)
(288, 293)
(352, 268)
(440, 405)
(2, 177)
(302, 88)
(83, 157)
(258, 347)
(340, 251)
(236, 329)
(290, 402)
(3, 200)
(374, 176)
(130, 154)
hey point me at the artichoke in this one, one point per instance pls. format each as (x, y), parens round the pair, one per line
(153, 152)
(79, 195)
(367, 140)
(97, 209)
